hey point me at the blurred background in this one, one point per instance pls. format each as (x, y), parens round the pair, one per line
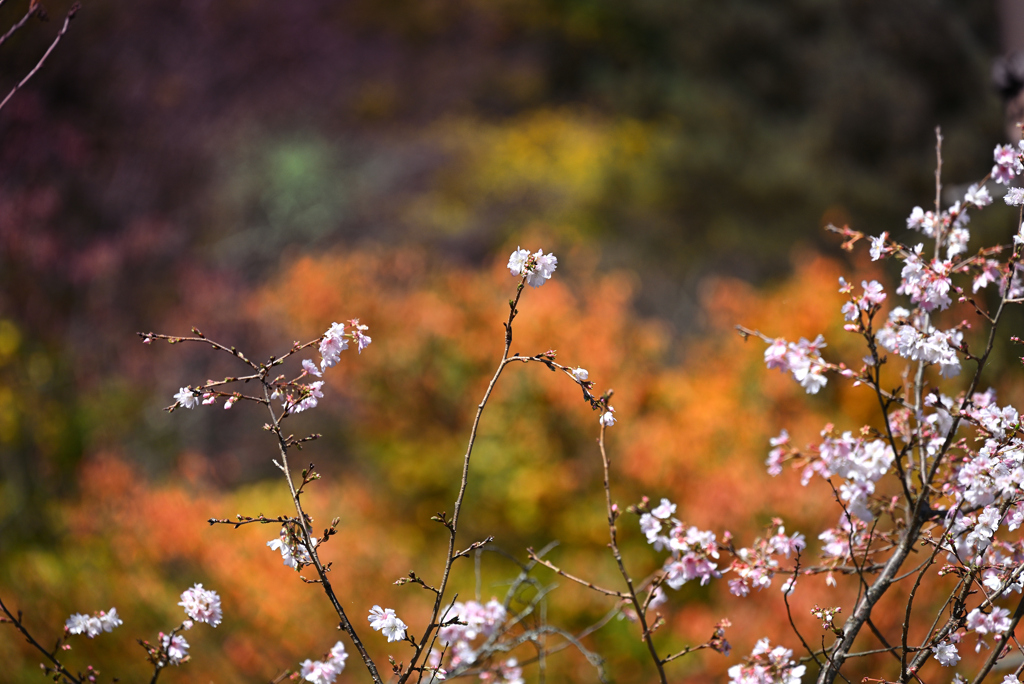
(260, 170)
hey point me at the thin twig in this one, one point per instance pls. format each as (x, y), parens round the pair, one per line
(63, 29)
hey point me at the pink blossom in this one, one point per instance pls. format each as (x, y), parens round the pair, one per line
(878, 246)
(311, 368)
(333, 343)
(537, 267)
(874, 293)
(775, 355)
(186, 397)
(665, 510)
(774, 461)
(358, 333)
(175, 647)
(202, 605)
(387, 623)
(1006, 164)
(989, 274)
(978, 196)
(93, 625)
(319, 672)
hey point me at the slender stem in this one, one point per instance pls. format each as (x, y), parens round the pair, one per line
(24, 20)
(346, 624)
(578, 580)
(453, 524)
(16, 621)
(63, 29)
(612, 533)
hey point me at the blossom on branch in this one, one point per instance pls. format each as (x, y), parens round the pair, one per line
(945, 654)
(186, 397)
(333, 343)
(93, 625)
(387, 623)
(202, 605)
(175, 647)
(537, 267)
(767, 665)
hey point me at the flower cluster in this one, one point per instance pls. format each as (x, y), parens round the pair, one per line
(913, 338)
(467, 622)
(298, 396)
(327, 670)
(175, 648)
(692, 549)
(385, 621)
(93, 625)
(537, 267)
(756, 566)
(997, 621)
(826, 615)
(859, 461)
(1007, 163)
(767, 665)
(802, 359)
(926, 283)
(201, 605)
(872, 297)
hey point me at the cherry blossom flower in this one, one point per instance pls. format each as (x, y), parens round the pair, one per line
(767, 665)
(362, 340)
(926, 284)
(517, 262)
(318, 672)
(1014, 197)
(665, 510)
(774, 460)
(511, 673)
(202, 605)
(311, 368)
(989, 273)
(338, 656)
(293, 555)
(387, 623)
(878, 247)
(325, 672)
(469, 621)
(802, 359)
(333, 343)
(77, 624)
(580, 374)
(537, 267)
(186, 397)
(93, 625)
(978, 196)
(608, 417)
(312, 393)
(175, 647)
(874, 294)
(945, 654)
(1006, 165)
